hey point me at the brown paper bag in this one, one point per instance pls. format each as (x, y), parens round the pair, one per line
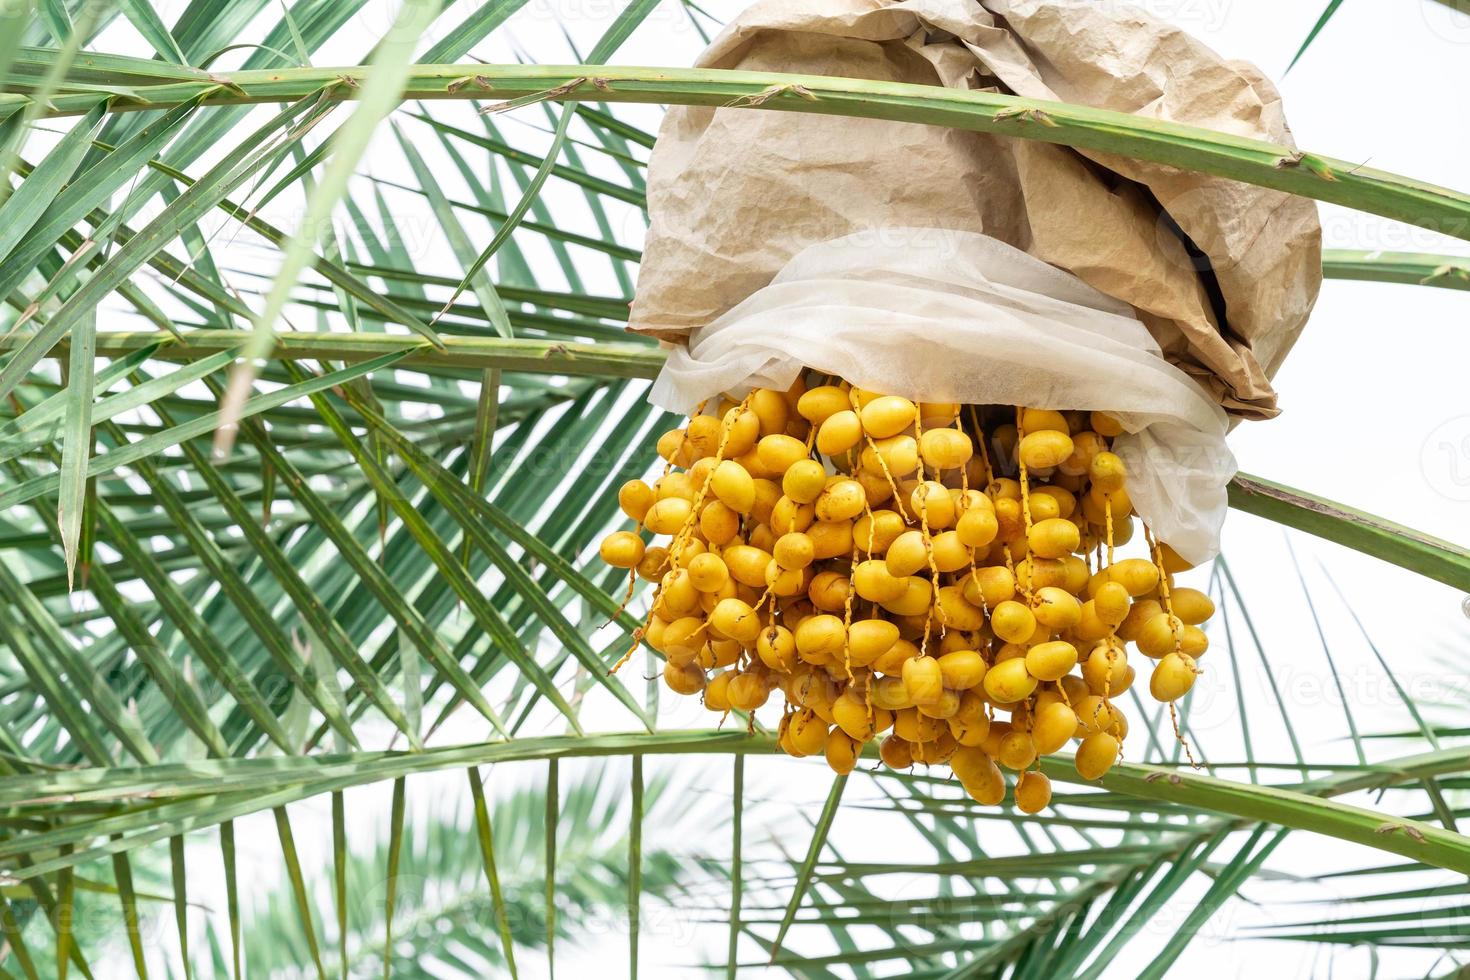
(734, 193)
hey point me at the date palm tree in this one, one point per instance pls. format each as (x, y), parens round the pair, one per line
(299, 510)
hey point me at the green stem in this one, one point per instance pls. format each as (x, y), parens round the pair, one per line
(630, 360)
(1191, 148)
(270, 781)
(1407, 268)
(1403, 546)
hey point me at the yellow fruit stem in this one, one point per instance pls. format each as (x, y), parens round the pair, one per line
(964, 467)
(1026, 523)
(768, 594)
(965, 495)
(1157, 553)
(974, 572)
(633, 572)
(1179, 736)
(693, 519)
(882, 464)
(1025, 512)
(980, 439)
(872, 537)
(1112, 630)
(1025, 486)
(928, 544)
(627, 596)
(637, 639)
(847, 607)
(679, 538)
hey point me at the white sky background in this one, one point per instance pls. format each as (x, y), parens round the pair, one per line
(1376, 416)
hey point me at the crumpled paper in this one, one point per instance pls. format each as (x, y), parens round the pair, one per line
(735, 193)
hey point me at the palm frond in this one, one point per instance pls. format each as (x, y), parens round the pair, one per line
(430, 435)
(1281, 168)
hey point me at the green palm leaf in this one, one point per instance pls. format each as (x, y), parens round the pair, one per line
(406, 526)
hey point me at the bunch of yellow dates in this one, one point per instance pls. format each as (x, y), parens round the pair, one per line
(936, 575)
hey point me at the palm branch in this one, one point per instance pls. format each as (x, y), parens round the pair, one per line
(284, 521)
